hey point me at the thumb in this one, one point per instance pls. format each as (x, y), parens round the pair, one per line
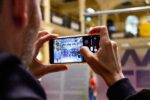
(87, 54)
(49, 69)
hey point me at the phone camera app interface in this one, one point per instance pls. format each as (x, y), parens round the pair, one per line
(92, 42)
(68, 50)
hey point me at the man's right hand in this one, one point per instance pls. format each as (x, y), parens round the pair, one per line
(37, 67)
(105, 61)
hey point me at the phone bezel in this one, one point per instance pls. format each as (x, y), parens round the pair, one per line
(51, 47)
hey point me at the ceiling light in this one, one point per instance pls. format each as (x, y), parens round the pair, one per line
(88, 19)
(90, 10)
(147, 1)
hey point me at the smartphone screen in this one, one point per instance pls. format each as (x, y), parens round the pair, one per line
(67, 49)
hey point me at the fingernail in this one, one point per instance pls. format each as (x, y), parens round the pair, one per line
(65, 68)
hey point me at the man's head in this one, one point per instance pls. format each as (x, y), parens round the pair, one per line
(19, 23)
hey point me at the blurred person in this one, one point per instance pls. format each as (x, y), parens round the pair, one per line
(19, 46)
(106, 63)
(92, 87)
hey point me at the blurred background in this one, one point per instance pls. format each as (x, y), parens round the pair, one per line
(131, 31)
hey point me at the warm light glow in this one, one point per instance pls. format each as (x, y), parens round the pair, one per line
(125, 45)
(147, 1)
(90, 10)
(148, 43)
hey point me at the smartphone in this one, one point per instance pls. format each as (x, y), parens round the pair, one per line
(67, 49)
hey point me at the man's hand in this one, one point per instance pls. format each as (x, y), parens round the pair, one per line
(36, 67)
(105, 61)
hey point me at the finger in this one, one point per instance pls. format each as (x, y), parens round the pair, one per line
(112, 48)
(87, 54)
(106, 46)
(37, 61)
(114, 45)
(42, 40)
(40, 34)
(90, 58)
(56, 67)
(46, 38)
(102, 30)
(50, 69)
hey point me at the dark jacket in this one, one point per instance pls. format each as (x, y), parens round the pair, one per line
(123, 90)
(16, 83)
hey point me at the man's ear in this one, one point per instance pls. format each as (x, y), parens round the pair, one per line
(20, 12)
